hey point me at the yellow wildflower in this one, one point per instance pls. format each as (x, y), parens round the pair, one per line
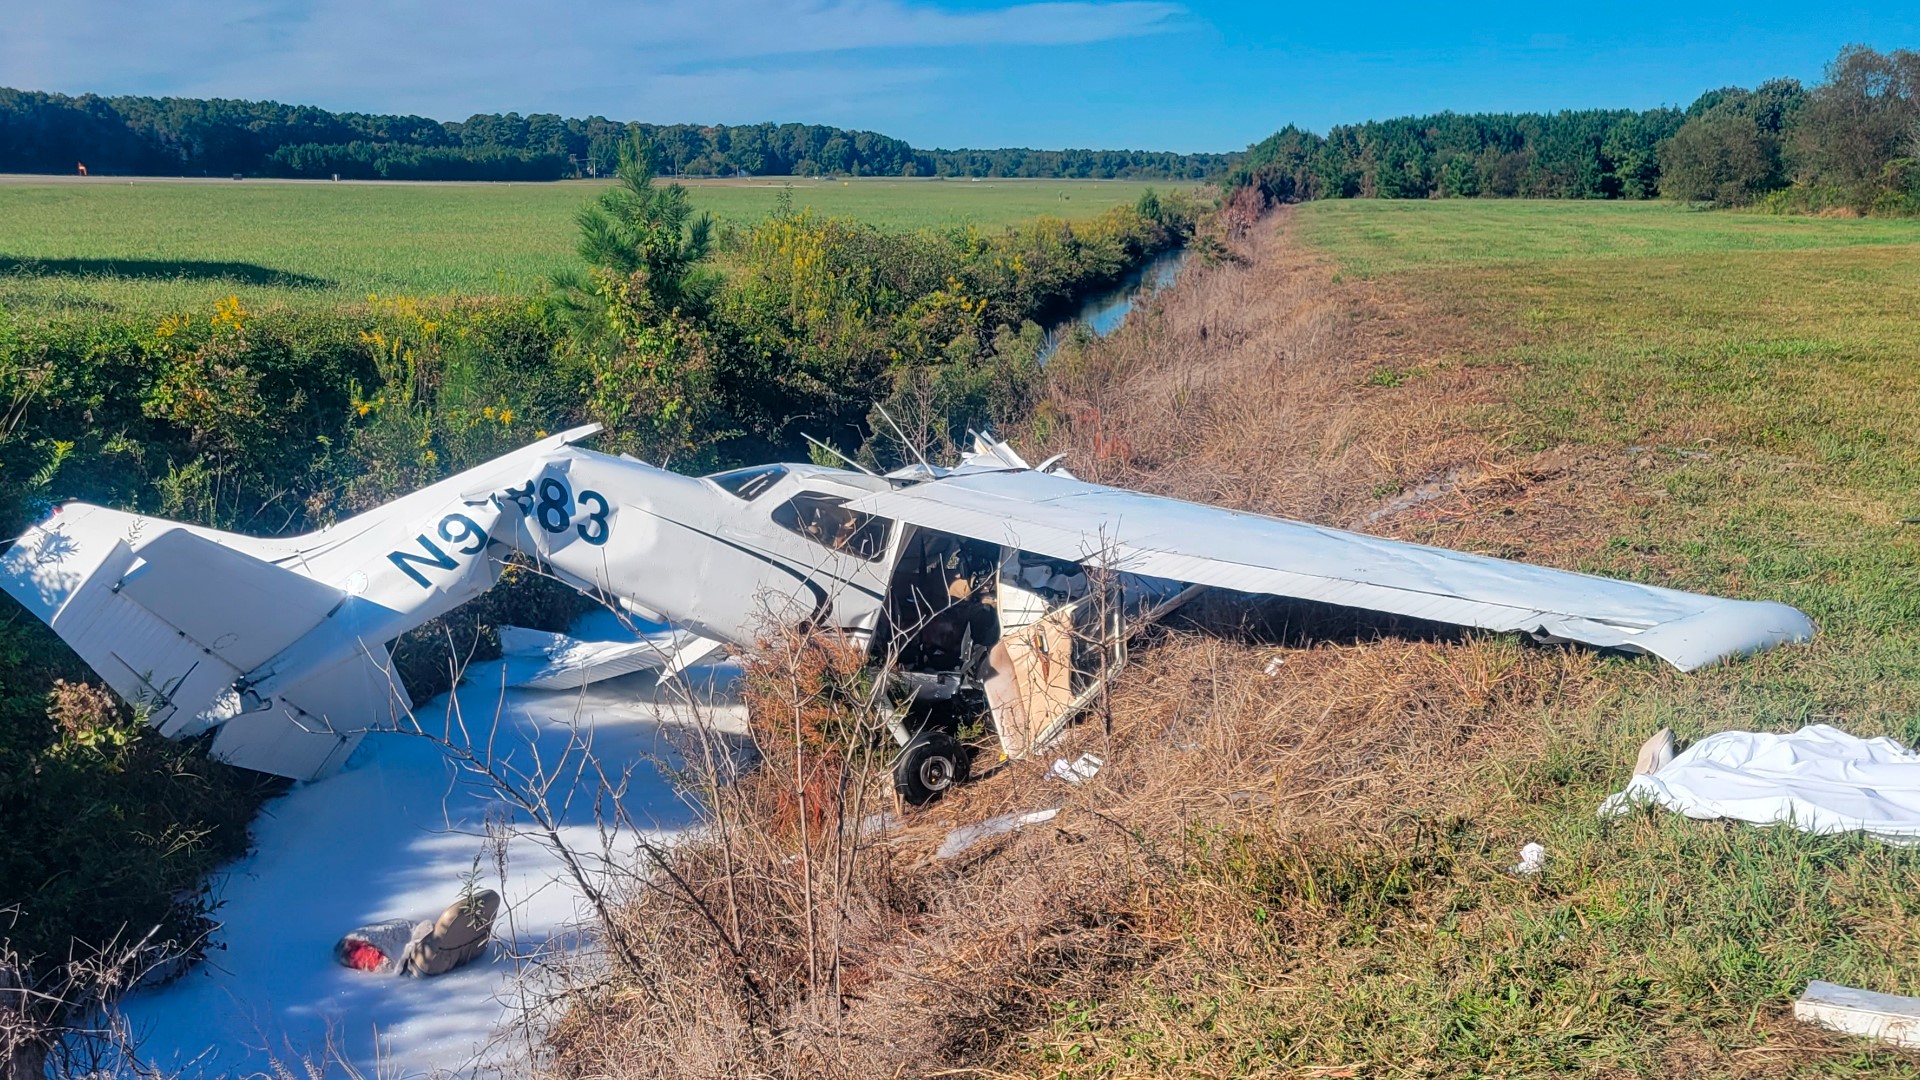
(229, 313)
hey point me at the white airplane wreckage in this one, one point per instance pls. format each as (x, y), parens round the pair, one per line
(992, 589)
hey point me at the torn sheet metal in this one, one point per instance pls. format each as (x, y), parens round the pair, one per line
(1181, 541)
(543, 661)
(1818, 779)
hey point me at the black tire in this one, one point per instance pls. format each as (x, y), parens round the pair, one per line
(929, 765)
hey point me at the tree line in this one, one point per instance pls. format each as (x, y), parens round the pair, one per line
(54, 133)
(1851, 141)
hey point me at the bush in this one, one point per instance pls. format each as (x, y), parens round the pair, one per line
(1729, 150)
(110, 828)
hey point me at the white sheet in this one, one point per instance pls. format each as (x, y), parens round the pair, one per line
(1818, 779)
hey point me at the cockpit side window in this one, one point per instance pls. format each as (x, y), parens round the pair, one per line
(749, 484)
(825, 520)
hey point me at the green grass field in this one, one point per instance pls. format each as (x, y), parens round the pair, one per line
(153, 245)
(1375, 237)
(1765, 367)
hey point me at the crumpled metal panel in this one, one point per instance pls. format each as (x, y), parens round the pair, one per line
(1161, 537)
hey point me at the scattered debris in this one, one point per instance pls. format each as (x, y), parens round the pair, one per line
(967, 836)
(1425, 493)
(379, 948)
(876, 825)
(1655, 753)
(1533, 859)
(458, 937)
(1818, 779)
(1888, 1018)
(1084, 767)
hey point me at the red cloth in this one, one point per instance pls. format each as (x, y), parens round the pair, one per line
(362, 956)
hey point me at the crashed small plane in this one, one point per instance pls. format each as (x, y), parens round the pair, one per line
(991, 589)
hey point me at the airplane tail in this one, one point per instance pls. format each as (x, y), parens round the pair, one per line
(174, 617)
(276, 645)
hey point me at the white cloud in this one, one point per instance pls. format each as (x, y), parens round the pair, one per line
(705, 59)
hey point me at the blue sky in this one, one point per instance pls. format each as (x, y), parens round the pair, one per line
(1156, 74)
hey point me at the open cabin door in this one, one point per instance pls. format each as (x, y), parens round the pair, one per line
(1063, 635)
(1059, 640)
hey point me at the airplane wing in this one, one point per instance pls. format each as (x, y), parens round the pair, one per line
(1159, 537)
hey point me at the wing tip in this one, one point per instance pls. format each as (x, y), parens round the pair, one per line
(1726, 630)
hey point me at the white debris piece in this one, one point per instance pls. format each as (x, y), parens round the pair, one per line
(1084, 767)
(1889, 1018)
(1533, 859)
(1273, 665)
(1818, 779)
(874, 825)
(965, 837)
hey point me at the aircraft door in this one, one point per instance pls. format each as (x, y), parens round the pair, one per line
(1048, 662)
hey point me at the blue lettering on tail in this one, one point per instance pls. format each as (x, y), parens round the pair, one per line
(433, 557)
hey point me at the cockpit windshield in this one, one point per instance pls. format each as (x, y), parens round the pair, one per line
(749, 484)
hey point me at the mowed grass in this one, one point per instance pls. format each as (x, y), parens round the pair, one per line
(1382, 237)
(1747, 391)
(1758, 375)
(156, 245)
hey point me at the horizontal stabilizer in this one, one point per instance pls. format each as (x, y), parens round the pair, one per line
(241, 608)
(309, 729)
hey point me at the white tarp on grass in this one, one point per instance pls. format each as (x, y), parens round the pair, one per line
(390, 836)
(1818, 779)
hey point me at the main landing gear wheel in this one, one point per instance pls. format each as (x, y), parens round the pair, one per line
(930, 763)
